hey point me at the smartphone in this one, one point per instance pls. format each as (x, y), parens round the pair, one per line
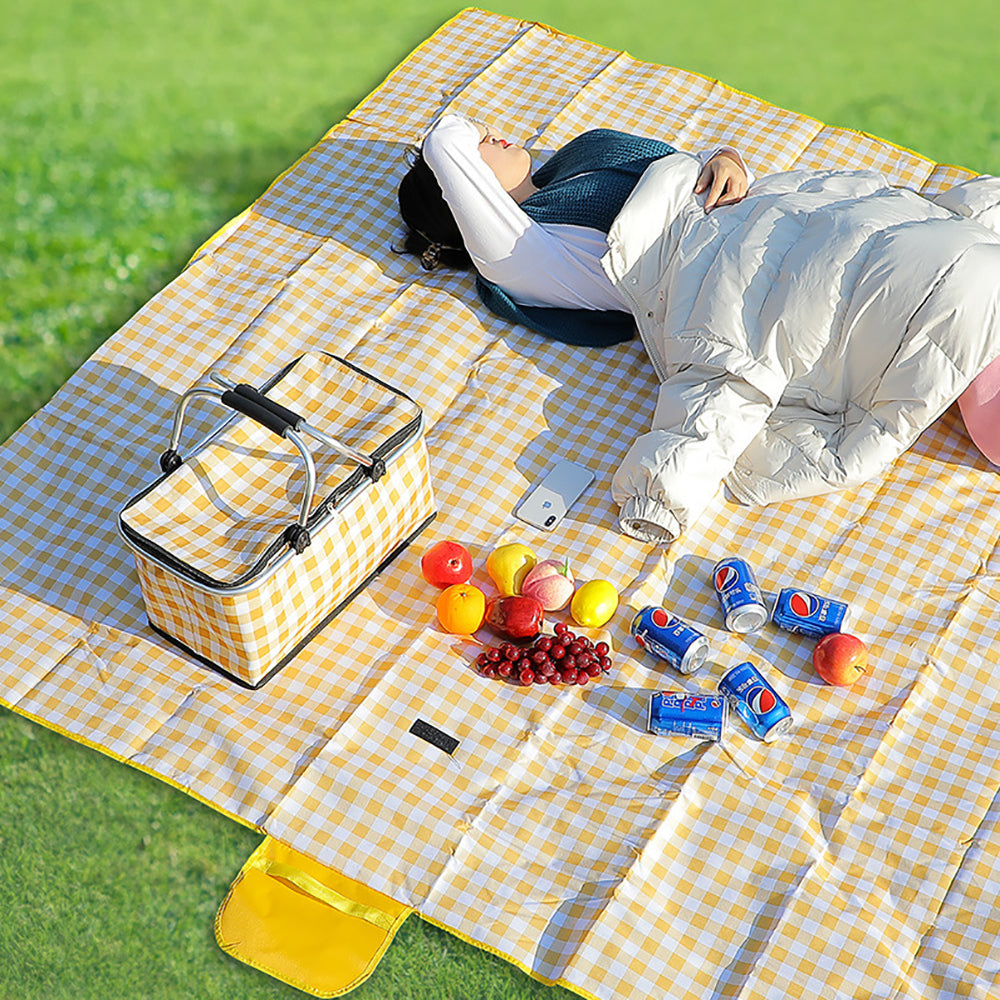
(550, 499)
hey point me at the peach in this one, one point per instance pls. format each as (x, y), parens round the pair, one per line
(551, 583)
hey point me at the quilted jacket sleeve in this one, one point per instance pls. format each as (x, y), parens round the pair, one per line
(704, 420)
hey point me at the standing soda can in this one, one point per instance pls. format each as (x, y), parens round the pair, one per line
(669, 638)
(742, 603)
(677, 713)
(808, 614)
(756, 702)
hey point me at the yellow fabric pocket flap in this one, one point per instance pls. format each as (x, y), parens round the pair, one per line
(304, 923)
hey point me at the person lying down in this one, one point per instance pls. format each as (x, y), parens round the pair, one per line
(805, 326)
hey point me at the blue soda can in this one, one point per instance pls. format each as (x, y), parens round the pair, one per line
(756, 702)
(677, 713)
(742, 603)
(671, 639)
(807, 614)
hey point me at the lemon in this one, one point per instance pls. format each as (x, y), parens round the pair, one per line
(594, 603)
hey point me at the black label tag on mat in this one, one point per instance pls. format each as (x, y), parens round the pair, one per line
(434, 736)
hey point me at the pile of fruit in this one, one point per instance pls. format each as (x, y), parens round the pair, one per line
(527, 590)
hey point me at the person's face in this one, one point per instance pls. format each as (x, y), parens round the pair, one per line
(510, 163)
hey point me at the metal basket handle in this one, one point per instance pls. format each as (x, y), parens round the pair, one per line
(375, 467)
(281, 421)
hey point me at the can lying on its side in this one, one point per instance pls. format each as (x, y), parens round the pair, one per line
(808, 614)
(677, 713)
(740, 597)
(757, 703)
(671, 639)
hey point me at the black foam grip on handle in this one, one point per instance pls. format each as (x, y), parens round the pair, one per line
(262, 414)
(289, 416)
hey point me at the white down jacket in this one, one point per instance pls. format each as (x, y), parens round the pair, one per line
(803, 338)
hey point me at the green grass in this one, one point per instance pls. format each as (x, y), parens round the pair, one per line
(133, 130)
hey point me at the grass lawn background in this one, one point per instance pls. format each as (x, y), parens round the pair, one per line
(129, 132)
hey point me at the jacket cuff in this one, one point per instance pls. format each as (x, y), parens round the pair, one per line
(648, 520)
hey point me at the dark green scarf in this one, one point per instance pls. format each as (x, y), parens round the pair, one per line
(583, 184)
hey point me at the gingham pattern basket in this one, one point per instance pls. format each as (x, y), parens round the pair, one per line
(227, 570)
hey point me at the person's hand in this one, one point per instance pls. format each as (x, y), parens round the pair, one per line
(725, 180)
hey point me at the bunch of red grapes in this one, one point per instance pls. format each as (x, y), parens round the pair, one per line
(564, 658)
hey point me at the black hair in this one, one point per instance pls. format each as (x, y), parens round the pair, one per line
(432, 233)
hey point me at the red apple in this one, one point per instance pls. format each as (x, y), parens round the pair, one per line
(446, 564)
(516, 617)
(840, 659)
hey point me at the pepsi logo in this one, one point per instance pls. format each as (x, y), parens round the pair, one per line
(660, 618)
(802, 605)
(726, 578)
(760, 700)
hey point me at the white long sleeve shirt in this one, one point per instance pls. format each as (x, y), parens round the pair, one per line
(537, 264)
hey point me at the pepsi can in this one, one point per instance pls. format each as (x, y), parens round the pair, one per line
(676, 713)
(742, 603)
(671, 639)
(807, 614)
(756, 702)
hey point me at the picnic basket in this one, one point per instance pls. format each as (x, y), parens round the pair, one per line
(251, 544)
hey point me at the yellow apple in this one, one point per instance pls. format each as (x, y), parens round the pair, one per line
(508, 565)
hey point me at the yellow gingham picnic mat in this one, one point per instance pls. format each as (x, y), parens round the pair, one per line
(857, 857)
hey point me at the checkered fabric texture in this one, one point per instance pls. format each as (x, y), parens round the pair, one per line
(231, 502)
(857, 857)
